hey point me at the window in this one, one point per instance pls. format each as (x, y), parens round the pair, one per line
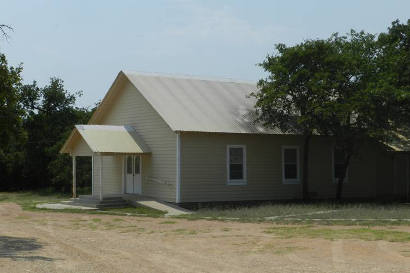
(290, 164)
(236, 164)
(338, 161)
(137, 164)
(129, 164)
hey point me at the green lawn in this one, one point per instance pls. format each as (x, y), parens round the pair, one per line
(321, 213)
(28, 201)
(325, 213)
(361, 233)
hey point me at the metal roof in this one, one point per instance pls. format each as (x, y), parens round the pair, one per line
(109, 139)
(200, 105)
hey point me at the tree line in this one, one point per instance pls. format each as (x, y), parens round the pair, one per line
(355, 88)
(34, 123)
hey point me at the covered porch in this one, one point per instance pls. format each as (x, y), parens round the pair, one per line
(117, 154)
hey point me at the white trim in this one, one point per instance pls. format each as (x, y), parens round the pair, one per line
(127, 175)
(101, 184)
(234, 182)
(92, 174)
(134, 174)
(178, 171)
(141, 172)
(123, 174)
(334, 180)
(74, 177)
(291, 181)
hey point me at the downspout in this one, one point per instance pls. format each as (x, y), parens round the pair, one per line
(101, 183)
(92, 175)
(178, 170)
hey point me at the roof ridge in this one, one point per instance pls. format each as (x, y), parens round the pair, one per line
(185, 76)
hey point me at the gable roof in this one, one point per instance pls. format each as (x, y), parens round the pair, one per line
(107, 139)
(194, 104)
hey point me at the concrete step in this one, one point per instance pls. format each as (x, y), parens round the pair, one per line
(107, 202)
(113, 205)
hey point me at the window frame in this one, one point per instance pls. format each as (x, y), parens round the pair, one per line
(334, 180)
(291, 181)
(236, 182)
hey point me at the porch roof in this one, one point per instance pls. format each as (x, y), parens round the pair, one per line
(106, 139)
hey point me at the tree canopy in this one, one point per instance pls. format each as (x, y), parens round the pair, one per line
(34, 124)
(353, 88)
(12, 134)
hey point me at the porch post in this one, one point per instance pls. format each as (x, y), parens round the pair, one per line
(101, 184)
(92, 175)
(74, 177)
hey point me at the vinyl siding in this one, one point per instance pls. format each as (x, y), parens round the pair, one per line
(111, 174)
(81, 148)
(204, 169)
(401, 173)
(129, 107)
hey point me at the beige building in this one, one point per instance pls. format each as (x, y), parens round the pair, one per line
(181, 140)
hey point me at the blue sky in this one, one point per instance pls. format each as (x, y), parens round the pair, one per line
(86, 43)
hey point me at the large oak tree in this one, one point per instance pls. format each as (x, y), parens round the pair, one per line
(346, 87)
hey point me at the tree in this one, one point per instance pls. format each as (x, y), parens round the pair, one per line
(3, 30)
(50, 115)
(12, 135)
(372, 100)
(393, 64)
(299, 77)
(350, 111)
(347, 87)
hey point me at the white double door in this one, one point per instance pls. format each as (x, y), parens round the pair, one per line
(133, 183)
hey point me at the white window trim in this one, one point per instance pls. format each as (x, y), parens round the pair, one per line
(178, 169)
(334, 180)
(291, 181)
(236, 181)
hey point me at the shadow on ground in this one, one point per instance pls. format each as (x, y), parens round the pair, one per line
(20, 248)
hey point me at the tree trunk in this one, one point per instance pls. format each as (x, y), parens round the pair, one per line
(305, 178)
(342, 179)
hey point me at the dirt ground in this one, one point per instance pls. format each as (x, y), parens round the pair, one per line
(65, 242)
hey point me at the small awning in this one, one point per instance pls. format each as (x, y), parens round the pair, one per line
(108, 139)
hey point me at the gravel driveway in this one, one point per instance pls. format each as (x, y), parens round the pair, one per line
(65, 242)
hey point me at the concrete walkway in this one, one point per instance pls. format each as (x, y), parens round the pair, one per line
(62, 206)
(150, 202)
(171, 210)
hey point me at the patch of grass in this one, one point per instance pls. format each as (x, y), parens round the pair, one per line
(22, 217)
(96, 220)
(28, 201)
(405, 253)
(285, 250)
(182, 231)
(367, 234)
(326, 213)
(277, 250)
(92, 226)
(135, 211)
(167, 222)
